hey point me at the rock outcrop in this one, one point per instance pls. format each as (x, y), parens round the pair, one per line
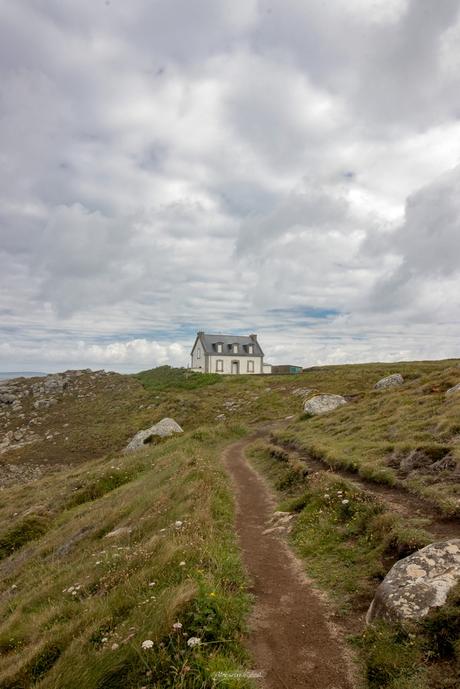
(320, 404)
(162, 429)
(453, 391)
(393, 381)
(417, 583)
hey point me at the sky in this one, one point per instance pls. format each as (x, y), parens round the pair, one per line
(284, 167)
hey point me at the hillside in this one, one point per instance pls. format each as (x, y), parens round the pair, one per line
(101, 551)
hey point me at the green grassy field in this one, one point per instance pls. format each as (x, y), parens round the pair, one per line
(77, 605)
(377, 430)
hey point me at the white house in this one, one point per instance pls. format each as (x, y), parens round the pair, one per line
(229, 354)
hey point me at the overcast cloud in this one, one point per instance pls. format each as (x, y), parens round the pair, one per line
(286, 167)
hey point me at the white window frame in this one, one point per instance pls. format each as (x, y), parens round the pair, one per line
(219, 347)
(251, 349)
(250, 367)
(235, 349)
(198, 353)
(219, 365)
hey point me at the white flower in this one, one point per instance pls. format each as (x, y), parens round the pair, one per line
(104, 639)
(115, 646)
(178, 524)
(177, 625)
(345, 502)
(326, 495)
(152, 583)
(148, 643)
(182, 564)
(193, 641)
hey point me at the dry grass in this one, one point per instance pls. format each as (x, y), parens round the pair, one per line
(76, 605)
(378, 429)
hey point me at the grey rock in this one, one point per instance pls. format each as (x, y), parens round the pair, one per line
(453, 391)
(417, 583)
(121, 531)
(302, 392)
(393, 381)
(320, 404)
(7, 398)
(163, 429)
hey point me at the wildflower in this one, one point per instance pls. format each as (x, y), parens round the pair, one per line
(178, 524)
(104, 639)
(148, 643)
(152, 583)
(193, 641)
(345, 502)
(327, 496)
(182, 564)
(213, 594)
(14, 586)
(115, 646)
(177, 625)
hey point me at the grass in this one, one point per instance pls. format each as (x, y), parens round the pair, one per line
(348, 540)
(76, 605)
(379, 431)
(167, 378)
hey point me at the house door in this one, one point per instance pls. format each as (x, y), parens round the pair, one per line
(235, 367)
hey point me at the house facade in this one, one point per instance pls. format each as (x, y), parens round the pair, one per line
(227, 354)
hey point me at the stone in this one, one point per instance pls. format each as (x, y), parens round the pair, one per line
(121, 531)
(393, 381)
(163, 429)
(302, 392)
(453, 391)
(320, 404)
(7, 398)
(418, 583)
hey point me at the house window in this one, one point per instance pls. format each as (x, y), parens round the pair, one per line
(219, 365)
(219, 347)
(235, 349)
(198, 353)
(250, 367)
(251, 349)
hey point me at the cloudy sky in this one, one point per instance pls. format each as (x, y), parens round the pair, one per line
(285, 167)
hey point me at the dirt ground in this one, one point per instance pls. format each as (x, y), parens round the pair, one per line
(292, 639)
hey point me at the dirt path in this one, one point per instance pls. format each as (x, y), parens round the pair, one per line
(293, 643)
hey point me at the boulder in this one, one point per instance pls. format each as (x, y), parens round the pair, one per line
(163, 429)
(7, 398)
(392, 381)
(417, 583)
(453, 391)
(320, 404)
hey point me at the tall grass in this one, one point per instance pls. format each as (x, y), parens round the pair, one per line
(77, 603)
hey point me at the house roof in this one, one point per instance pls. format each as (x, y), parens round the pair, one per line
(210, 342)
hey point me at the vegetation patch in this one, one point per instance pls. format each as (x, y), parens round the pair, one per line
(162, 604)
(348, 541)
(406, 436)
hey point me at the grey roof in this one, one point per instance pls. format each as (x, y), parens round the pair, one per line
(210, 342)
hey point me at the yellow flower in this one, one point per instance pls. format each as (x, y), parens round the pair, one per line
(213, 594)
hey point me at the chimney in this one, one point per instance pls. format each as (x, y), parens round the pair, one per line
(253, 336)
(200, 332)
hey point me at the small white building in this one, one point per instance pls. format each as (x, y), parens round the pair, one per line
(228, 354)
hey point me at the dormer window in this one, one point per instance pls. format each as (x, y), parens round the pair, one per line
(235, 348)
(219, 347)
(251, 349)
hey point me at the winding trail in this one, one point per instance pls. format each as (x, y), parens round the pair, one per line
(292, 640)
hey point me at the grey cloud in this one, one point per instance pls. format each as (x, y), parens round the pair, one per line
(175, 163)
(427, 245)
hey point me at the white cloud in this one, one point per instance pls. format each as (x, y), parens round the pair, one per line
(285, 167)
